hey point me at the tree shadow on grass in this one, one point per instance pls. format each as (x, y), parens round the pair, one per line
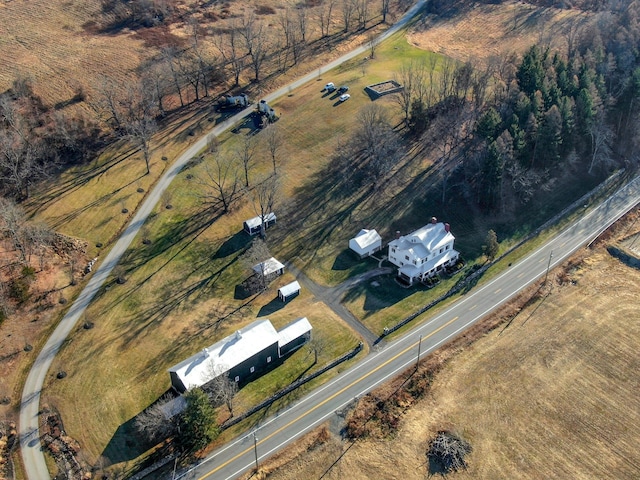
(125, 444)
(387, 293)
(240, 241)
(271, 307)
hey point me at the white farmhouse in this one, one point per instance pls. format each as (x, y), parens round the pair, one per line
(423, 253)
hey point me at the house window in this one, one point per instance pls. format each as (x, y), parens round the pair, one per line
(269, 359)
(406, 257)
(252, 369)
(447, 247)
(237, 379)
(393, 250)
(415, 262)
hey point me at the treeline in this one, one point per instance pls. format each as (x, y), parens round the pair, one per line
(503, 133)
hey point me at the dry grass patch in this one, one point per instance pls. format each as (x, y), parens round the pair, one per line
(480, 31)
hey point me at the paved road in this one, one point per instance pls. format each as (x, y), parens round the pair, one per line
(32, 455)
(272, 434)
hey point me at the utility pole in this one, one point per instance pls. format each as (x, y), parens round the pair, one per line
(546, 275)
(419, 345)
(255, 448)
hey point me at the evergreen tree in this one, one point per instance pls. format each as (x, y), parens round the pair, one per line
(198, 428)
(550, 138)
(531, 71)
(487, 126)
(491, 246)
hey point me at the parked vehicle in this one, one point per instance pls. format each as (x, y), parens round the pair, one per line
(345, 97)
(343, 89)
(330, 87)
(231, 102)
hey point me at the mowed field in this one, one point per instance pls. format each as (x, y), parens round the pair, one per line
(553, 395)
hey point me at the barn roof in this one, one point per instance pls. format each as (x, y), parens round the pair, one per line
(294, 330)
(220, 357)
(289, 288)
(268, 267)
(364, 240)
(257, 221)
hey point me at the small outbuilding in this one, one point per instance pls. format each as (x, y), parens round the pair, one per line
(288, 291)
(254, 225)
(293, 336)
(366, 242)
(269, 267)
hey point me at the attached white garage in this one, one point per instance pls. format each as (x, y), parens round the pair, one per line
(366, 242)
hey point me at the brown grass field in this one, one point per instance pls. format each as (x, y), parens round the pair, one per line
(550, 393)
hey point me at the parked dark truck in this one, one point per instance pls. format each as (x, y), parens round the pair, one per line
(237, 102)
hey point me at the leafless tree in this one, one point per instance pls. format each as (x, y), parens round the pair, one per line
(189, 67)
(221, 389)
(245, 153)
(254, 34)
(19, 167)
(264, 197)
(601, 141)
(170, 56)
(372, 42)
(109, 103)
(12, 221)
(302, 17)
(256, 255)
(384, 9)
(220, 182)
(275, 141)
(316, 345)
(378, 142)
(141, 131)
(204, 61)
(158, 77)
(324, 15)
(154, 423)
(412, 77)
(348, 9)
(229, 47)
(361, 8)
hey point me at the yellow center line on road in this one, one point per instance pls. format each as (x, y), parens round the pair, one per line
(328, 399)
(473, 307)
(498, 290)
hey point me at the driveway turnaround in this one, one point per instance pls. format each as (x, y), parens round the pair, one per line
(328, 401)
(29, 429)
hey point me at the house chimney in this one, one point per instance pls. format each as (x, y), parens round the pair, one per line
(447, 227)
(434, 220)
(397, 234)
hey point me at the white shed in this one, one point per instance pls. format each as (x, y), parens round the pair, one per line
(253, 225)
(289, 290)
(268, 267)
(366, 242)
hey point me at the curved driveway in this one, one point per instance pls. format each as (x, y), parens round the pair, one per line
(272, 434)
(29, 430)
